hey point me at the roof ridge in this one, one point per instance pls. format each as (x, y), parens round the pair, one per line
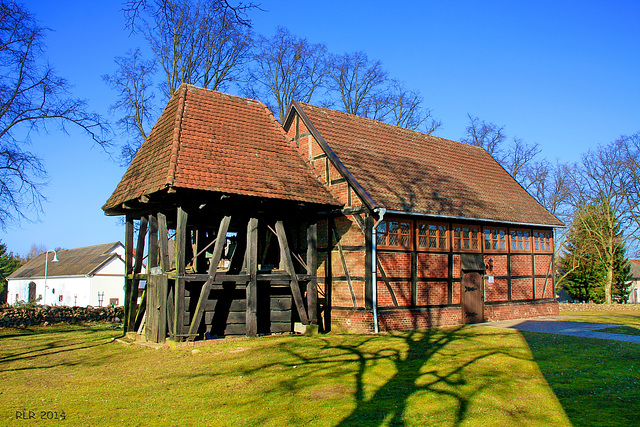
(175, 146)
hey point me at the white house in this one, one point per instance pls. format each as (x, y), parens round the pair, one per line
(634, 289)
(92, 275)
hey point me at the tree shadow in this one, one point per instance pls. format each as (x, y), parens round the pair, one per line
(408, 371)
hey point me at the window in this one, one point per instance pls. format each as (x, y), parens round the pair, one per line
(520, 240)
(543, 241)
(466, 238)
(495, 239)
(60, 298)
(431, 236)
(394, 234)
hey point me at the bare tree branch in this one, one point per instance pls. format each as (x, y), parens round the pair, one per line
(31, 95)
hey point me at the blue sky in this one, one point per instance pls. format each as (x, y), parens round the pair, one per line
(563, 74)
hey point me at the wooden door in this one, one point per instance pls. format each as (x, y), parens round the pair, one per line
(472, 294)
(32, 292)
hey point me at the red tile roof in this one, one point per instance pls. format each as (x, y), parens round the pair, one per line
(408, 171)
(207, 140)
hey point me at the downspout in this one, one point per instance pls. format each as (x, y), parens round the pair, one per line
(374, 267)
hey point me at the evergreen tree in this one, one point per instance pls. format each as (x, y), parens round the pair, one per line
(589, 265)
(8, 264)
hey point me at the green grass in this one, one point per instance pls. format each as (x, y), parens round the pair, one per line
(624, 330)
(459, 376)
(618, 316)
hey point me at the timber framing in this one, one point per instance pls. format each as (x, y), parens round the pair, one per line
(212, 275)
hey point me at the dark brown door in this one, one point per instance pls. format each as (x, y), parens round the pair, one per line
(32, 292)
(472, 298)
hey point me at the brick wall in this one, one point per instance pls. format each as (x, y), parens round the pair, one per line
(521, 289)
(432, 293)
(433, 265)
(523, 310)
(496, 291)
(405, 320)
(395, 264)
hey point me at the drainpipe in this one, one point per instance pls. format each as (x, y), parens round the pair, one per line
(374, 266)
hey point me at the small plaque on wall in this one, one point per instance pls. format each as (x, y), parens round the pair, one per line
(490, 279)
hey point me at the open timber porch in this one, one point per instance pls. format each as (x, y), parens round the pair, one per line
(216, 273)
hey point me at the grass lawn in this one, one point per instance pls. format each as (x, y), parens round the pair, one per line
(454, 376)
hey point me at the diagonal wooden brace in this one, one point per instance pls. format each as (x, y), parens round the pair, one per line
(206, 288)
(288, 264)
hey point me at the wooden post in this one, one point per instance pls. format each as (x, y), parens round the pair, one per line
(152, 259)
(251, 261)
(128, 261)
(289, 267)
(179, 257)
(206, 288)
(134, 316)
(312, 270)
(163, 243)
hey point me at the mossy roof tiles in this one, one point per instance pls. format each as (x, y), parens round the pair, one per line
(408, 171)
(208, 140)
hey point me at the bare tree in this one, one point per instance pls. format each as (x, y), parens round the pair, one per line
(599, 183)
(360, 84)
(31, 96)
(486, 135)
(518, 158)
(200, 42)
(133, 82)
(405, 110)
(286, 68)
(629, 148)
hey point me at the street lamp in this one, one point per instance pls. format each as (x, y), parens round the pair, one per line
(46, 268)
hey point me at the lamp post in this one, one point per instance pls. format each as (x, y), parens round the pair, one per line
(46, 268)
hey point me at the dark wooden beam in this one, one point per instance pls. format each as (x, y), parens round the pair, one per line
(206, 287)
(344, 267)
(163, 243)
(134, 314)
(312, 271)
(152, 259)
(179, 248)
(251, 262)
(128, 261)
(289, 267)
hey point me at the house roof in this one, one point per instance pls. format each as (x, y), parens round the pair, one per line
(635, 268)
(411, 172)
(208, 140)
(71, 262)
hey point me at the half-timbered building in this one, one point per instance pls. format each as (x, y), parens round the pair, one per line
(250, 227)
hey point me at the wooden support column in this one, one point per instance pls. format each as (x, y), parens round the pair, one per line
(290, 268)
(152, 259)
(206, 288)
(251, 261)
(134, 315)
(312, 270)
(128, 261)
(163, 260)
(179, 258)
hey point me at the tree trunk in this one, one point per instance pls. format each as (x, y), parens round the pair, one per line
(608, 285)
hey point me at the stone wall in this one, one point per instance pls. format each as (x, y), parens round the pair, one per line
(12, 317)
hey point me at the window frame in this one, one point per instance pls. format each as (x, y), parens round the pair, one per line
(477, 228)
(526, 241)
(501, 239)
(386, 235)
(548, 239)
(439, 237)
